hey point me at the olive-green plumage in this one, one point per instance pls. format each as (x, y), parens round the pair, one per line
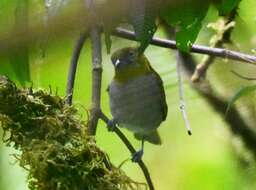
(137, 97)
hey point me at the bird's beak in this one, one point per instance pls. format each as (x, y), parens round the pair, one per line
(117, 63)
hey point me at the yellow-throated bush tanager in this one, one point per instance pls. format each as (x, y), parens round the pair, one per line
(137, 97)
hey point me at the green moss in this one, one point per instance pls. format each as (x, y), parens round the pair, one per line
(54, 146)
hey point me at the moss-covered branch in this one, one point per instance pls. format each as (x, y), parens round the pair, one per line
(53, 143)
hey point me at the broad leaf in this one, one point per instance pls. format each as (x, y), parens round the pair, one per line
(186, 16)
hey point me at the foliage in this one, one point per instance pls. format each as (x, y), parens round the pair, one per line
(55, 148)
(185, 15)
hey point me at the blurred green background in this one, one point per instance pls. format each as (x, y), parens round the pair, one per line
(211, 159)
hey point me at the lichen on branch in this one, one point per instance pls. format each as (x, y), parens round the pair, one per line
(54, 146)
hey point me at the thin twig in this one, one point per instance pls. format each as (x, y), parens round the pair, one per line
(202, 68)
(181, 95)
(132, 151)
(219, 52)
(223, 28)
(96, 80)
(73, 67)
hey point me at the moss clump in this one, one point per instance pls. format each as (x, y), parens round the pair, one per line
(54, 146)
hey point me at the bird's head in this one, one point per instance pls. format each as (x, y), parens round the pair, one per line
(126, 58)
(129, 64)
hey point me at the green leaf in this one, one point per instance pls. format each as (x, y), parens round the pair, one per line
(243, 91)
(186, 16)
(19, 56)
(226, 6)
(143, 16)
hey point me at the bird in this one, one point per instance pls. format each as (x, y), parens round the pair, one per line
(137, 97)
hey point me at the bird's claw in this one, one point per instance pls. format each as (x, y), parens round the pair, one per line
(111, 125)
(136, 157)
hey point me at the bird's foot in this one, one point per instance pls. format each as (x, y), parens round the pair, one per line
(111, 125)
(136, 157)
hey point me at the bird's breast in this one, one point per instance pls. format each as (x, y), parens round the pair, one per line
(136, 104)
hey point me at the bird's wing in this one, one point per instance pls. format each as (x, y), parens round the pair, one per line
(163, 97)
(160, 83)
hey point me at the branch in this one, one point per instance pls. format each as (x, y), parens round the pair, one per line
(219, 52)
(202, 67)
(59, 125)
(73, 67)
(96, 80)
(132, 150)
(223, 28)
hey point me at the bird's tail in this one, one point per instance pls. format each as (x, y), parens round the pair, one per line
(152, 137)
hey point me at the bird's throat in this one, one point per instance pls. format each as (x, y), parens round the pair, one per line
(128, 74)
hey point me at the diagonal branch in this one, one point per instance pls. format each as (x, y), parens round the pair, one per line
(132, 151)
(219, 52)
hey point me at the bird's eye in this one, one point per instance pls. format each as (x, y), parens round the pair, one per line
(130, 54)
